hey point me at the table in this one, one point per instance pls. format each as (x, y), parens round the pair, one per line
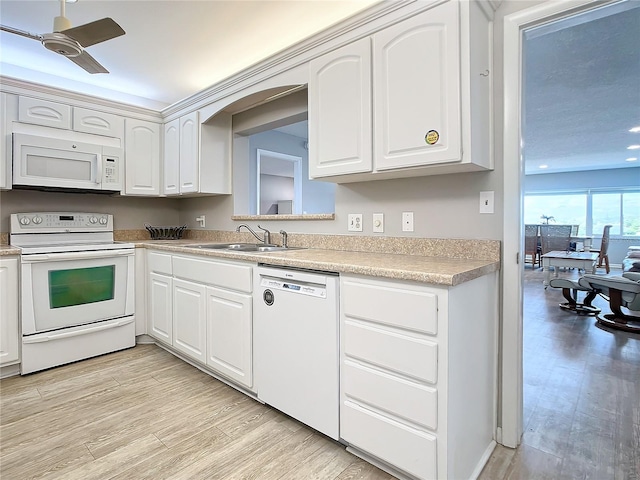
(584, 260)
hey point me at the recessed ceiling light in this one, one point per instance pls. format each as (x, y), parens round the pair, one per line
(632, 159)
(543, 166)
(635, 130)
(633, 147)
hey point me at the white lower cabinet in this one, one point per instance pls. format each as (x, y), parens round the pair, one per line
(202, 308)
(189, 319)
(160, 307)
(418, 374)
(229, 334)
(9, 322)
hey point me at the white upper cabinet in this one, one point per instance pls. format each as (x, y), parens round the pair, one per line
(43, 112)
(142, 157)
(197, 157)
(99, 123)
(172, 157)
(189, 153)
(8, 114)
(340, 111)
(416, 71)
(422, 86)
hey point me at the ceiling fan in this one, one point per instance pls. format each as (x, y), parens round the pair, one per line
(72, 41)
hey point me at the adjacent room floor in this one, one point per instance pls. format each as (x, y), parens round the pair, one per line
(581, 394)
(142, 413)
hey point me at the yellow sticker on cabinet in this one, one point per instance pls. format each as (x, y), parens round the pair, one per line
(432, 137)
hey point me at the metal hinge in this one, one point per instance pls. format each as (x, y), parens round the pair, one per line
(518, 258)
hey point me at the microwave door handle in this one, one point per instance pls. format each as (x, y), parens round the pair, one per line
(99, 168)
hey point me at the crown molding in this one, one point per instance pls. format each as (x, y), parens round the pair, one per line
(38, 90)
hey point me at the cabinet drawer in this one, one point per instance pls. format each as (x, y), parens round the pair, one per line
(400, 397)
(383, 304)
(409, 356)
(42, 112)
(226, 275)
(159, 262)
(401, 446)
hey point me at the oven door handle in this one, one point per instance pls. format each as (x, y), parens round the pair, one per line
(54, 257)
(75, 333)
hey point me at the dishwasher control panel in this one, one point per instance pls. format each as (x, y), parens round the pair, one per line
(295, 287)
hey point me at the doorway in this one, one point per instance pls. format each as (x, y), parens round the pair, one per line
(515, 26)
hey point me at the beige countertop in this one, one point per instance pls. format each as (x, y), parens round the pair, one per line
(419, 268)
(6, 250)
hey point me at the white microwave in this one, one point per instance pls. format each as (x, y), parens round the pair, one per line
(59, 163)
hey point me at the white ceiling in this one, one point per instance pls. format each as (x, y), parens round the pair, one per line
(171, 49)
(582, 91)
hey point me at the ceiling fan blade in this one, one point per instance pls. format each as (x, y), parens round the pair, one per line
(89, 63)
(22, 33)
(95, 32)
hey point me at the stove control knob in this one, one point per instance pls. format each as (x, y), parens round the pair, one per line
(103, 220)
(37, 220)
(25, 221)
(93, 219)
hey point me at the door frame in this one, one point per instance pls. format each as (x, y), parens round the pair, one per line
(511, 395)
(297, 176)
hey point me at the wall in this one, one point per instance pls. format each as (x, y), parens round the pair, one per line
(129, 213)
(618, 177)
(317, 197)
(272, 189)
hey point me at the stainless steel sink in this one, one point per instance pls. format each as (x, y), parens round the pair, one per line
(241, 247)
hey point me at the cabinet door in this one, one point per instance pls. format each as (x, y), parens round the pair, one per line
(189, 153)
(189, 319)
(9, 339)
(8, 114)
(142, 162)
(160, 308)
(416, 76)
(340, 111)
(100, 123)
(172, 158)
(229, 335)
(42, 112)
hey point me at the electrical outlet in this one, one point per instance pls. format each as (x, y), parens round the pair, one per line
(378, 222)
(486, 202)
(407, 221)
(355, 222)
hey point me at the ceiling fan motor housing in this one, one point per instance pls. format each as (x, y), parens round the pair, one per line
(61, 44)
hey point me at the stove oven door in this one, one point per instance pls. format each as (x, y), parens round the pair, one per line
(62, 290)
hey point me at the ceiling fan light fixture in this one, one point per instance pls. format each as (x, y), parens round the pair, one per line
(61, 44)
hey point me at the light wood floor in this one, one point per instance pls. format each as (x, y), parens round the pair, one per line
(143, 413)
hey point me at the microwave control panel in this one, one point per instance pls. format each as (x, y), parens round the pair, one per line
(111, 171)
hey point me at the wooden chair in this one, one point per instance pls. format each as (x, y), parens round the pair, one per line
(531, 243)
(603, 256)
(555, 237)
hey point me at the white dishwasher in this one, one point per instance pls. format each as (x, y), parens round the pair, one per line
(296, 344)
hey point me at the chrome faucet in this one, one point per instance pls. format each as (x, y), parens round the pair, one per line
(267, 234)
(284, 238)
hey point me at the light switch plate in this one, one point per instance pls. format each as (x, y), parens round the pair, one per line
(486, 202)
(378, 222)
(355, 222)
